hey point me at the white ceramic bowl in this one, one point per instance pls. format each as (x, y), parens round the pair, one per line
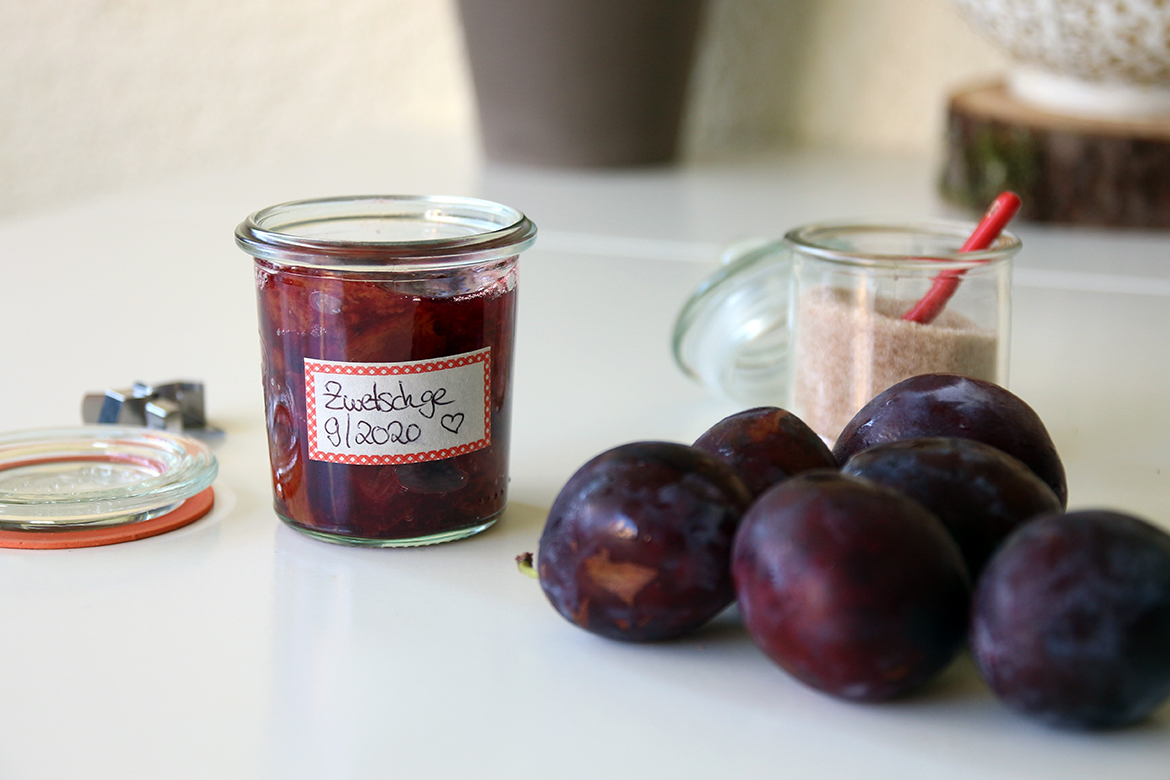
(1099, 58)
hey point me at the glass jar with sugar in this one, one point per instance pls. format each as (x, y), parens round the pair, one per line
(833, 314)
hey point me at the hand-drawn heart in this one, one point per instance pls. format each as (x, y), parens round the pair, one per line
(452, 422)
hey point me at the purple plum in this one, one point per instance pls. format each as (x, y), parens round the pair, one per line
(981, 494)
(947, 405)
(766, 445)
(852, 587)
(1071, 620)
(637, 545)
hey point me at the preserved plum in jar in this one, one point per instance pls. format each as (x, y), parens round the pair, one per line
(387, 385)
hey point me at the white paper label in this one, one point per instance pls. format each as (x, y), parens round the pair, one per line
(394, 413)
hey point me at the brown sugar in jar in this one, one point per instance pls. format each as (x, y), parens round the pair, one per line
(847, 353)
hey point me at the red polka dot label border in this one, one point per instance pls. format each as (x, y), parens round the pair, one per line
(397, 413)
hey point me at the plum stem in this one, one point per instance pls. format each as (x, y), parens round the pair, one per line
(525, 565)
(998, 215)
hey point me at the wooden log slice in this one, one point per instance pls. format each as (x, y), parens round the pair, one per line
(1066, 169)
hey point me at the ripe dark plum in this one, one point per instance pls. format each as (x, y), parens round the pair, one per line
(766, 445)
(981, 494)
(933, 405)
(1071, 620)
(637, 545)
(854, 588)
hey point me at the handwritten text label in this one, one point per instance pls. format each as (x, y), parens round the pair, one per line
(393, 413)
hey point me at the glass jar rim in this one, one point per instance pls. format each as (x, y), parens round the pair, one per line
(291, 233)
(812, 240)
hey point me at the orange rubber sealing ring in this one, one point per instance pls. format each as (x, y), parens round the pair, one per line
(186, 513)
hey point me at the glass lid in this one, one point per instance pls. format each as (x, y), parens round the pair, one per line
(732, 334)
(97, 475)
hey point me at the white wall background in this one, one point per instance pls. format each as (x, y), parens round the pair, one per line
(98, 95)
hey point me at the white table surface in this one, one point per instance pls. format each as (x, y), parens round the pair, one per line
(237, 648)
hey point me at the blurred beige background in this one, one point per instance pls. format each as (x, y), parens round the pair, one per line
(101, 95)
